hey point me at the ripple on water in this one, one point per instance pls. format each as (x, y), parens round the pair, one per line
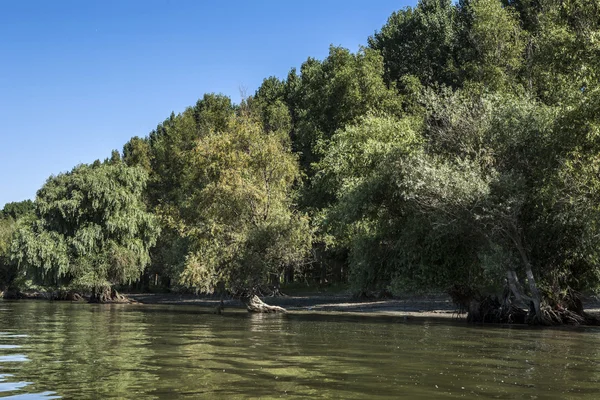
(33, 396)
(14, 358)
(6, 387)
(12, 386)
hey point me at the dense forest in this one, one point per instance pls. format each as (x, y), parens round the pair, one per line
(458, 150)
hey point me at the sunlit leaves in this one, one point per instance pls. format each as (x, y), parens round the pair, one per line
(92, 229)
(239, 216)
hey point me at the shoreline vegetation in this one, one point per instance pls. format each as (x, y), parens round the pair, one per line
(457, 152)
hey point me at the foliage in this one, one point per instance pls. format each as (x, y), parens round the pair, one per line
(333, 93)
(7, 268)
(493, 57)
(91, 230)
(16, 210)
(239, 217)
(460, 147)
(402, 212)
(420, 42)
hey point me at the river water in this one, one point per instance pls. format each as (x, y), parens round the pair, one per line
(82, 351)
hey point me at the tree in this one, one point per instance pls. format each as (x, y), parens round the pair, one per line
(17, 209)
(563, 50)
(91, 232)
(136, 153)
(401, 212)
(333, 93)
(492, 52)
(269, 103)
(10, 216)
(165, 155)
(7, 267)
(420, 42)
(240, 218)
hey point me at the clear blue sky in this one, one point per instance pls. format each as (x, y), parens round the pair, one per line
(79, 78)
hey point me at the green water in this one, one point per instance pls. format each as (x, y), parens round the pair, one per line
(81, 351)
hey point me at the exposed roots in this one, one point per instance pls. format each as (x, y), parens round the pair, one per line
(66, 295)
(551, 313)
(491, 310)
(273, 291)
(61, 295)
(11, 294)
(276, 292)
(108, 295)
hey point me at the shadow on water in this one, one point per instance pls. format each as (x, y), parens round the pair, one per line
(75, 350)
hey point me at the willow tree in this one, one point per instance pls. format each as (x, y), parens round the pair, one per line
(91, 232)
(7, 270)
(239, 216)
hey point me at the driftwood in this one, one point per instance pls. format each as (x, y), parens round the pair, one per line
(255, 304)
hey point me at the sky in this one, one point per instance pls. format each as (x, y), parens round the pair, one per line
(80, 78)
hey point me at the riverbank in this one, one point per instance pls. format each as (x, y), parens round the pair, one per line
(438, 306)
(414, 306)
(409, 306)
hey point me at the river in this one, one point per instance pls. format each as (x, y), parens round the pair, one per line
(82, 351)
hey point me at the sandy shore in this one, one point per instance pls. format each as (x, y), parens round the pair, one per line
(433, 306)
(439, 306)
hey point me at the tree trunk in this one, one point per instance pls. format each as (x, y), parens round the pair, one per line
(536, 300)
(275, 285)
(289, 275)
(516, 288)
(254, 304)
(221, 307)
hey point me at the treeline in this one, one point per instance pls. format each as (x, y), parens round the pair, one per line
(459, 147)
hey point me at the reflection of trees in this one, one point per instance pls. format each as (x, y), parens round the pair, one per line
(84, 351)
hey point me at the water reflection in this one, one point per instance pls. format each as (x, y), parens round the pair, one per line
(33, 396)
(13, 358)
(48, 350)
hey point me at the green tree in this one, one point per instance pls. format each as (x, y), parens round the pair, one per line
(91, 232)
(17, 209)
(7, 268)
(564, 49)
(388, 212)
(240, 218)
(420, 42)
(10, 215)
(165, 155)
(136, 153)
(492, 49)
(333, 93)
(269, 103)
